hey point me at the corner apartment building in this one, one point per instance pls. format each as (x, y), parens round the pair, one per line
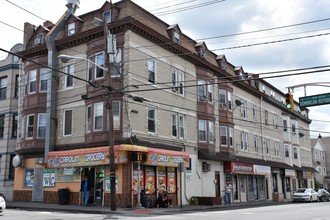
(320, 154)
(176, 109)
(9, 76)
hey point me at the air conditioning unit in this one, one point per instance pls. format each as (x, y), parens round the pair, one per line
(206, 167)
(203, 98)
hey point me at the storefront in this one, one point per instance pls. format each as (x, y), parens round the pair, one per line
(66, 169)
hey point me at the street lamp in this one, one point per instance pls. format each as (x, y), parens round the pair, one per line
(65, 58)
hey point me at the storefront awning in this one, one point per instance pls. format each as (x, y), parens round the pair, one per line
(100, 156)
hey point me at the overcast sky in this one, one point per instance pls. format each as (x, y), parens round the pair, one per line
(304, 43)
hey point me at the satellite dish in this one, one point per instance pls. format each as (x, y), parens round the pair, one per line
(17, 161)
(238, 102)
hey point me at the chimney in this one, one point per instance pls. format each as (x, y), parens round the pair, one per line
(48, 24)
(73, 4)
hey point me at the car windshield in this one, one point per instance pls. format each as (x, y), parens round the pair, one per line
(301, 190)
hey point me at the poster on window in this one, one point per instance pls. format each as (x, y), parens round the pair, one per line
(71, 174)
(161, 178)
(49, 177)
(108, 184)
(171, 180)
(29, 178)
(135, 179)
(150, 180)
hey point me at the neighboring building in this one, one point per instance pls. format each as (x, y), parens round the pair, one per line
(9, 75)
(189, 117)
(321, 149)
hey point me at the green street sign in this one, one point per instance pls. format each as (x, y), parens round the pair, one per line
(314, 100)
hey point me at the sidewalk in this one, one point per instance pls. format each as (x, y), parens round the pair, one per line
(125, 211)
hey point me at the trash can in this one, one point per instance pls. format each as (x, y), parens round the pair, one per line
(63, 196)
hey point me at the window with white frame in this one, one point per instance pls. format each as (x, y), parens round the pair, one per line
(98, 116)
(14, 127)
(69, 70)
(231, 136)
(107, 16)
(323, 156)
(3, 88)
(285, 125)
(152, 68)
(180, 83)
(266, 118)
(223, 135)
(201, 90)
(267, 143)
(293, 128)
(230, 101)
(254, 113)
(243, 109)
(222, 98)
(99, 60)
(89, 71)
(210, 92)
(67, 122)
(116, 114)
(182, 126)
(178, 126)
(176, 37)
(32, 81)
(30, 126)
(174, 125)
(244, 141)
(295, 153)
(275, 121)
(256, 143)
(277, 149)
(152, 119)
(211, 131)
(43, 79)
(202, 130)
(42, 125)
(89, 118)
(71, 28)
(286, 150)
(116, 63)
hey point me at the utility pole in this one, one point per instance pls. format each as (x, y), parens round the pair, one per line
(110, 120)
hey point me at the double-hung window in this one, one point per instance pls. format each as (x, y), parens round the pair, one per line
(222, 98)
(32, 81)
(107, 16)
(152, 70)
(99, 60)
(231, 136)
(3, 88)
(30, 126)
(285, 125)
(201, 90)
(211, 132)
(89, 118)
(229, 100)
(67, 125)
(244, 141)
(116, 114)
(43, 79)
(98, 116)
(42, 125)
(286, 150)
(69, 69)
(178, 126)
(256, 143)
(152, 119)
(176, 37)
(210, 92)
(202, 130)
(181, 82)
(116, 63)
(71, 28)
(2, 125)
(174, 125)
(223, 135)
(14, 128)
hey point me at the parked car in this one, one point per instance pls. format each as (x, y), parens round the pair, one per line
(323, 195)
(2, 204)
(305, 195)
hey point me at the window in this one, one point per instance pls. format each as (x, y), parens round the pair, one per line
(151, 70)
(30, 126)
(152, 119)
(16, 87)
(223, 134)
(2, 125)
(39, 39)
(42, 125)
(14, 128)
(3, 88)
(201, 90)
(266, 118)
(32, 81)
(202, 130)
(285, 125)
(178, 126)
(89, 71)
(107, 16)
(256, 143)
(295, 153)
(293, 128)
(98, 116)
(211, 132)
(275, 121)
(67, 122)
(43, 79)
(174, 125)
(69, 69)
(254, 113)
(210, 92)
(116, 63)
(99, 60)
(71, 28)
(231, 136)
(176, 37)
(180, 82)
(267, 143)
(244, 141)
(182, 126)
(229, 101)
(89, 118)
(243, 109)
(116, 115)
(222, 98)
(277, 149)
(287, 153)
(11, 173)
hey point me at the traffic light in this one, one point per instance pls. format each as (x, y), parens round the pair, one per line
(289, 102)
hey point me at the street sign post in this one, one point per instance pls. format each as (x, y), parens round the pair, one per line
(314, 100)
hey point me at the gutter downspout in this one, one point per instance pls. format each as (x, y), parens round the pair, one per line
(52, 83)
